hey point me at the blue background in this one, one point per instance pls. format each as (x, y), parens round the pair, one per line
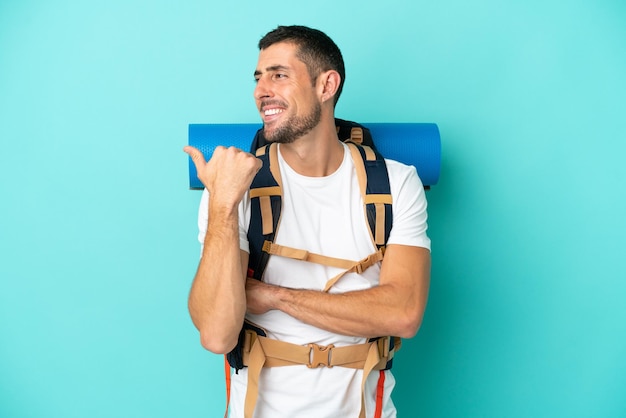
(98, 229)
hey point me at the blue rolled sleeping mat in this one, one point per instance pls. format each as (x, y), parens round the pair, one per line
(416, 144)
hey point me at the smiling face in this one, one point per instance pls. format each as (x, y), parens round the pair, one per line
(285, 94)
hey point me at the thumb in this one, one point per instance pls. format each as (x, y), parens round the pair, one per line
(196, 156)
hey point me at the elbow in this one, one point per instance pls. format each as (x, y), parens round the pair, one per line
(410, 323)
(216, 338)
(216, 344)
(410, 329)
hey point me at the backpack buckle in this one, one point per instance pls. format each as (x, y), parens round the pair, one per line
(320, 355)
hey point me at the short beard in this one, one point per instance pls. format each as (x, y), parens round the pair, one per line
(295, 127)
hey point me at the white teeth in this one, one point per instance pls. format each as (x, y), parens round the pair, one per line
(270, 112)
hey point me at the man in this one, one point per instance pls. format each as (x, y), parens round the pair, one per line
(299, 78)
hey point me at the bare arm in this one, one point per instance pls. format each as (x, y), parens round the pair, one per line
(395, 307)
(217, 301)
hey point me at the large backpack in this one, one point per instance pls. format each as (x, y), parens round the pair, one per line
(266, 205)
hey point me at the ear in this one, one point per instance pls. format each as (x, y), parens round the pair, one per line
(328, 83)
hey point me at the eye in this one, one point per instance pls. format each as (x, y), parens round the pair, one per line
(280, 76)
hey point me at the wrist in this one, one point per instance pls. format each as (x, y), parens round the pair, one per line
(223, 209)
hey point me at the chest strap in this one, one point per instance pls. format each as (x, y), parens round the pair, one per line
(259, 352)
(350, 266)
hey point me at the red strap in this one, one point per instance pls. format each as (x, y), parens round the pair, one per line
(227, 375)
(380, 390)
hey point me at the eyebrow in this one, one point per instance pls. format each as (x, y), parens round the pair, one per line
(272, 68)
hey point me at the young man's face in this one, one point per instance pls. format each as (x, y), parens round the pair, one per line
(285, 94)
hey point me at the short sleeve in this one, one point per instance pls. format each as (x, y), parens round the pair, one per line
(410, 218)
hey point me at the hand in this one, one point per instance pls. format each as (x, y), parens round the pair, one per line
(227, 175)
(259, 296)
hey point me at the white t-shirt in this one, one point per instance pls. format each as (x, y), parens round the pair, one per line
(324, 215)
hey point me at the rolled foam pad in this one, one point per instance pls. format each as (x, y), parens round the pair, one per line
(416, 144)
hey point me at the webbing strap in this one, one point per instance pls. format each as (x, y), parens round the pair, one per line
(265, 191)
(256, 363)
(360, 169)
(264, 195)
(373, 358)
(274, 166)
(359, 267)
(350, 266)
(378, 199)
(262, 352)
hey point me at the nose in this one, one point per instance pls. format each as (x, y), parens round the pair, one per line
(262, 89)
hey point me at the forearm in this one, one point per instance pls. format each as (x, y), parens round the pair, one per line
(217, 301)
(368, 313)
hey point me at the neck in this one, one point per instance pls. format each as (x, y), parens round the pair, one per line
(317, 154)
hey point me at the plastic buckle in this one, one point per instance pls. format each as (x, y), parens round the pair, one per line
(320, 355)
(365, 263)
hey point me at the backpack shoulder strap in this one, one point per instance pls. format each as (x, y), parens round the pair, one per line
(371, 171)
(266, 203)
